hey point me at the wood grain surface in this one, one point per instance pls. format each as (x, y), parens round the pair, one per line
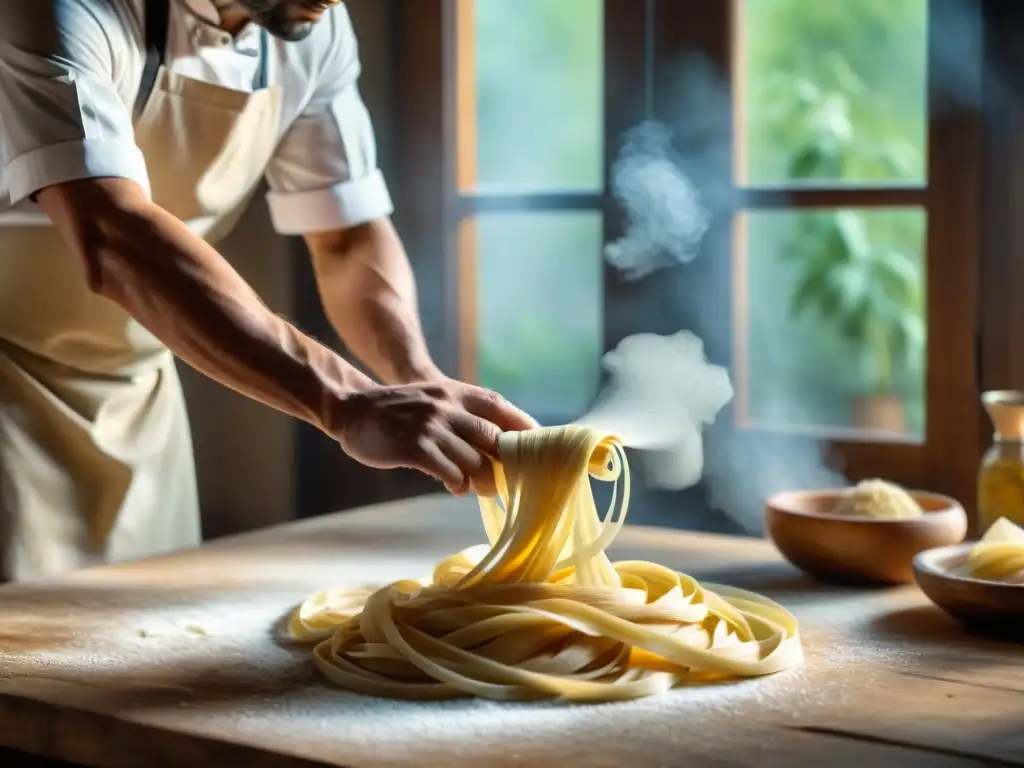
(173, 661)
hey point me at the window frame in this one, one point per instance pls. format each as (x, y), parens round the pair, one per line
(1002, 276)
(640, 37)
(465, 203)
(946, 460)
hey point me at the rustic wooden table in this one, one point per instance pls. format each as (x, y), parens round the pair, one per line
(171, 661)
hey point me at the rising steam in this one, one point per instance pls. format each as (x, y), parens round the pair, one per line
(663, 396)
(665, 218)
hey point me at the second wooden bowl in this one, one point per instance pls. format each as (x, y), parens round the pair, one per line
(859, 549)
(985, 605)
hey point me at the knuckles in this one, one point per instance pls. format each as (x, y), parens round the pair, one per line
(437, 391)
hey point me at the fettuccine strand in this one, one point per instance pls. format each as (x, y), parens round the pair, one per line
(998, 556)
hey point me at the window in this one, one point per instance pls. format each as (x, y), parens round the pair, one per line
(838, 279)
(854, 184)
(530, 171)
(830, 325)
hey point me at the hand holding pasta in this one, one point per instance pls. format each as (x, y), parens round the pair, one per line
(541, 612)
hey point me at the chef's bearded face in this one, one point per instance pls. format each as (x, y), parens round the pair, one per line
(290, 20)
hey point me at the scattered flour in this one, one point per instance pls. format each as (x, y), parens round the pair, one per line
(214, 667)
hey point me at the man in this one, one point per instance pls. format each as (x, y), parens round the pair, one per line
(139, 129)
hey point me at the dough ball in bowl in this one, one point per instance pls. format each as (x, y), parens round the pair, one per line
(869, 533)
(878, 499)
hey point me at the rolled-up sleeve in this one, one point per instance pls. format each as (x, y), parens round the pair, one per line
(324, 174)
(61, 115)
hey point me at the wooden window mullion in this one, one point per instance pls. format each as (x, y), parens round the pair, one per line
(762, 198)
(953, 235)
(626, 91)
(465, 178)
(491, 202)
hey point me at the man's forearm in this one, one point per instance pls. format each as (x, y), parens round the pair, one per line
(369, 294)
(190, 298)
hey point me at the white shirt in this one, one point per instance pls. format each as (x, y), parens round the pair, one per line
(70, 72)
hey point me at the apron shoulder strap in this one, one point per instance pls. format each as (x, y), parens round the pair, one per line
(261, 79)
(156, 17)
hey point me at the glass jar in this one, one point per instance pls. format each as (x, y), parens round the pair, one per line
(1001, 477)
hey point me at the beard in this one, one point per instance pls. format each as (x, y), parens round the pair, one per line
(276, 17)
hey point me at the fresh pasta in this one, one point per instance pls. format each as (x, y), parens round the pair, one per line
(999, 555)
(541, 612)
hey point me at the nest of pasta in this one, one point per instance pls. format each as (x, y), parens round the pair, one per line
(541, 611)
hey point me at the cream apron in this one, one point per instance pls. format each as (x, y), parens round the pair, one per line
(96, 459)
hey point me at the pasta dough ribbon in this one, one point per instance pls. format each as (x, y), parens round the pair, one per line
(541, 612)
(999, 555)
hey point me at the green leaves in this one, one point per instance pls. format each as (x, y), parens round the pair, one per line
(869, 293)
(857, 273)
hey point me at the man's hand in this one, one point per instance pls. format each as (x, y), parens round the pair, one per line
(445, 428)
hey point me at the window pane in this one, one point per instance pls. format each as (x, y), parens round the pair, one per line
(539, 93)
(833, 91)
(835, 319)
(539, 310)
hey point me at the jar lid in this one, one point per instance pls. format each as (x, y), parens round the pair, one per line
(1006, 410)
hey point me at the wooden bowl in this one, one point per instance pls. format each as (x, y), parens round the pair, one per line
(859, 549)
(984, 605)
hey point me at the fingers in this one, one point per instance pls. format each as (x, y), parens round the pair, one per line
(497, 410)
(478, 432)
(475, 464)
(459, 453)
(449, 431)
(435, 462)
(455, 462)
